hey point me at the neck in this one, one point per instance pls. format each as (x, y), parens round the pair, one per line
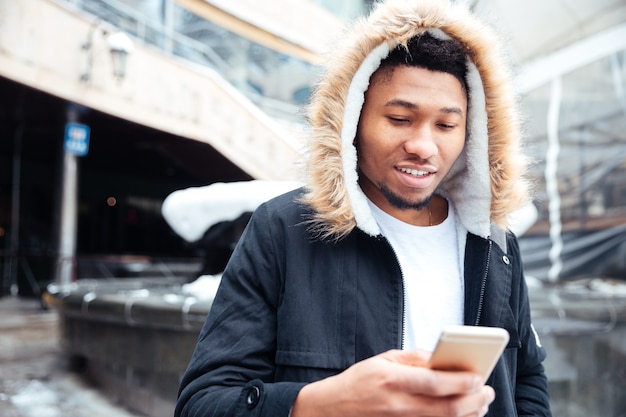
(438, 210)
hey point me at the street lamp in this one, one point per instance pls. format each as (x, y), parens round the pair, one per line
(120, 46)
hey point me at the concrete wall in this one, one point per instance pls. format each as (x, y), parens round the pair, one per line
(137, 337)
(582, 325)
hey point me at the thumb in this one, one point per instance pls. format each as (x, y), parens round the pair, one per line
(404, 357)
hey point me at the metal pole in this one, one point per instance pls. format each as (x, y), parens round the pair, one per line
(552, 185)
(66, 255)
(14, 242)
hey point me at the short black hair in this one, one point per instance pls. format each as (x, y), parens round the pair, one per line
(431, 53)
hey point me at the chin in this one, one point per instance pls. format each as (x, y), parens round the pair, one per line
(402, 203)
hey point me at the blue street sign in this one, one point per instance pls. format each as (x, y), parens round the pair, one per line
(77, 138)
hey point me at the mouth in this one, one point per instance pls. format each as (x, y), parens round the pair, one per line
(414, 172)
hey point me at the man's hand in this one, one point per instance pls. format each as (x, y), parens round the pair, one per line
(395, 383)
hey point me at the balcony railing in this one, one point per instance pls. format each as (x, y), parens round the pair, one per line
(177, 32)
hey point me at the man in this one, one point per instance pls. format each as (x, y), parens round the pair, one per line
(337, 292)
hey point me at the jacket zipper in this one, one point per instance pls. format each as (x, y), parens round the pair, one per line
(402, 340)
(402, 288)
(483, 285)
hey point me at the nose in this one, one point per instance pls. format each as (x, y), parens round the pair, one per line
(421, 143)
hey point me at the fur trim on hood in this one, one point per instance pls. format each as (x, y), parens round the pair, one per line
(485, 183)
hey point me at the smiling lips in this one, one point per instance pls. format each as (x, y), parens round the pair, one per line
(416, 178)
(414, 172)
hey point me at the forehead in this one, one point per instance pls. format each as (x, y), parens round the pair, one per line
(385, 75)
(416, 85)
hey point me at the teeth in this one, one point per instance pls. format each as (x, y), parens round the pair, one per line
(414, 172)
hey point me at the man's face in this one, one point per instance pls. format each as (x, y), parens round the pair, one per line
(411, 130)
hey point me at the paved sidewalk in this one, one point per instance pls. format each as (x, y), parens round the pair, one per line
(35, 378)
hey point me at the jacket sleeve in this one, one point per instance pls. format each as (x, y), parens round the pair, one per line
(232, 368)
(531, 393)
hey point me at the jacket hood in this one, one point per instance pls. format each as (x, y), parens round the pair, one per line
(485, 184)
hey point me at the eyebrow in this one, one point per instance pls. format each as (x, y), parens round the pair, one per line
(401, 103)
(454, 110)
(410, 105)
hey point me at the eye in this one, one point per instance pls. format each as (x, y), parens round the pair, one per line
(398, 119)
(446, 126)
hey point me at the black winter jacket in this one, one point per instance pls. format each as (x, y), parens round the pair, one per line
(292, 309)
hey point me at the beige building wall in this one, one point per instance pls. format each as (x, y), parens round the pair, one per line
(47, 46)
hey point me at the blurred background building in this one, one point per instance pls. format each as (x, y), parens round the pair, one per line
(174, 94)
(180, 93)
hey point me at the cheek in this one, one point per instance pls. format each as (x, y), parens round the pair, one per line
(453, 148)
(368, 158)
(367, 147)
(364, 157)
(378, 140)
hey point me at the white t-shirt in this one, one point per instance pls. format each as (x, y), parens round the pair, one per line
(434, 287)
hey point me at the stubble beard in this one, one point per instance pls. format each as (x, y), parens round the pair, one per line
(402, 203)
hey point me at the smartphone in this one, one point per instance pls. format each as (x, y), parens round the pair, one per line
(469, 348)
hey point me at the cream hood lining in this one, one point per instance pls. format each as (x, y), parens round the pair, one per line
(468, 183)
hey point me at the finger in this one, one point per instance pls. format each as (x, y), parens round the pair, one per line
(424, 381)
(471, 405)
(411, 358)
(489, 395)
